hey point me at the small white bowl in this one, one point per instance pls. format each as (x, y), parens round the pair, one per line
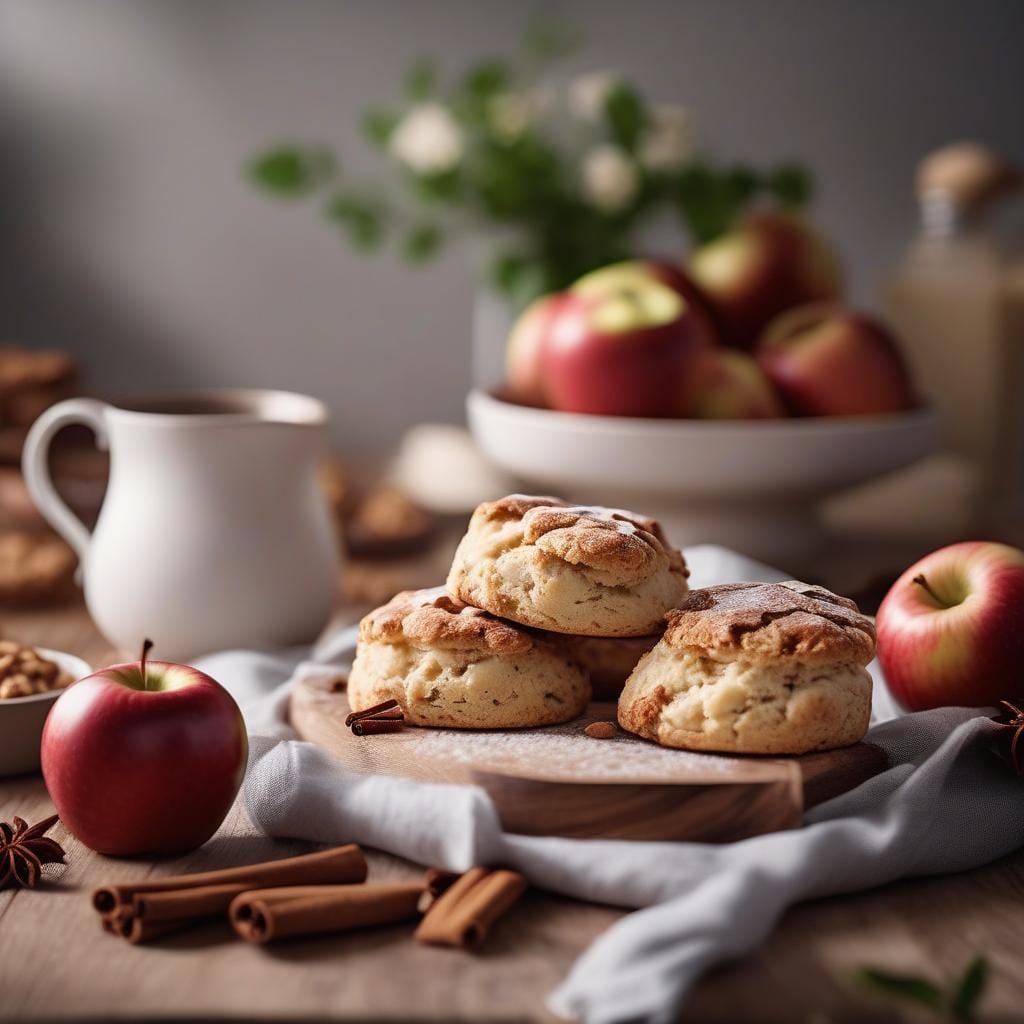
(22, 718)
(753, 485)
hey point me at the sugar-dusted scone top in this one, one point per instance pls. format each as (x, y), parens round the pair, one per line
(432, 619)
(568, 568)
(767, 668)
(448, 664)
(773, 620)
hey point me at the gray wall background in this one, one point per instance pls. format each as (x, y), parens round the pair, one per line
(129, 236)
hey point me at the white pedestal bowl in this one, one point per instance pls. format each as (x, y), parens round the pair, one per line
(754, 486)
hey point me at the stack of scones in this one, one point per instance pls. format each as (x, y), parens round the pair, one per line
(548, 603)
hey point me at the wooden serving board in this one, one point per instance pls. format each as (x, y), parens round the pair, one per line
(557, 781)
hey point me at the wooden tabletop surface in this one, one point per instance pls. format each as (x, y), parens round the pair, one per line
(56, 964)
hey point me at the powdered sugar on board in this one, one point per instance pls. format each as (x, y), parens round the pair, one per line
(558, 781)
(567, 752)
(557, 753)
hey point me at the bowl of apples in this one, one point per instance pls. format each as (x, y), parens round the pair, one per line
(728, 398)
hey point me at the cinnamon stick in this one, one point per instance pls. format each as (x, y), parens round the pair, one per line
(376, 726)
(343, 864)
(377, 709)
(435, 882)
(391, 715)
(464, 914)
(173, 904)
(157, 914)
(137, 929)
(268, 915)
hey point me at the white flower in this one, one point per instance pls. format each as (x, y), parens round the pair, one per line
(427, 139)
(667, 143)
(511, 113)
(610, 177)
(588, 94)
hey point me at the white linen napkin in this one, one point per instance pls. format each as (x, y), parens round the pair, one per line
(946, 804)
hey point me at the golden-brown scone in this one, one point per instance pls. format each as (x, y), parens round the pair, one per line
(608, 660)
(448, 664)
(568, 568)
(756, 668)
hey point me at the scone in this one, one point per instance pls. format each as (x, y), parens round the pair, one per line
(756, 668)
(609, 660)
(568, 569)
(451, 665)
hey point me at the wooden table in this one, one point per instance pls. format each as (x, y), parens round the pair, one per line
(56, 964)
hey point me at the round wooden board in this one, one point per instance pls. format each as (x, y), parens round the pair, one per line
(558, 781)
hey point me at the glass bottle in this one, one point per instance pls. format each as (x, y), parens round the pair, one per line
(957, 302)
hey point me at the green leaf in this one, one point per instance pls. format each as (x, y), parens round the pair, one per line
(378, 126)
(711, 200)
(422, 242)
(969, 989)
(791, 184)
(900, 986)
(291, 171)
(739, 185)
(626, 116)
(486, 79)
(507, 271)
(421, 80)
(361, 221)
(443, 187)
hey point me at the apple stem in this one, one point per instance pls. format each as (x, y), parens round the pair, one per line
(922, 582)
(147, 646)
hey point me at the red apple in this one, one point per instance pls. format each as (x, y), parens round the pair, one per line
(951, 629)
(619, 350)
(628, 271)
(768, 264)
(523, 381)
(829, 361)
(144, 757)
(729, 385)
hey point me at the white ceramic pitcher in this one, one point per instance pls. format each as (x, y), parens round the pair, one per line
(213, 533)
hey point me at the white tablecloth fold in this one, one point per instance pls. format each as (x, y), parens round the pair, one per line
(947, 804)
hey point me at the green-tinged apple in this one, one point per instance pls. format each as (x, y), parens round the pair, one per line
(523, 382)
(618, 351)
(768, 264)
(144, 757)
(629, 271)
(826, 360)
(951, 629)
(729, 385)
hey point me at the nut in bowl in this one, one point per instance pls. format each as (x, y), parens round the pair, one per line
(30, 683)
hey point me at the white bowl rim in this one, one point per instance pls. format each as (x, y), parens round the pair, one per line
(65, 661)
(923, 413)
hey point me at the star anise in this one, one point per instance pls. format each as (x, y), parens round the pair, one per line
(1012, 717)
(24, 850)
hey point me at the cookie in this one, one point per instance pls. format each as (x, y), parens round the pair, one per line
(30, 382)
(608, 660)
(386, 524)
(451, 665)
(34, 568)
(30, 369)
(756, 668)
(568, 568)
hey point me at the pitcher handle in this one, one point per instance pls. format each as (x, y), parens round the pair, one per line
(34, 464)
